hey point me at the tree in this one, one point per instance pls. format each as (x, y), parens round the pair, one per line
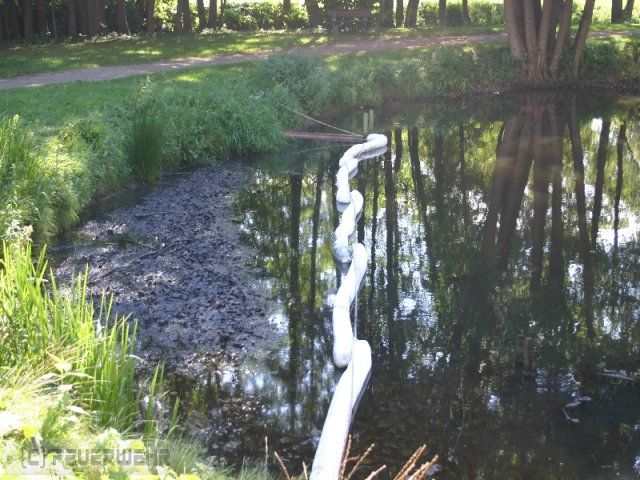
(411, 17)
(466, 18)
(151, 17)
(442, 11)
(41, 17)
(620, 14)
(314, 12)
(213, 14)
(538, 35)
(27, 15)
(202, 15)
(399, 12)
(71, 18)
(121, 17)
(182, 19)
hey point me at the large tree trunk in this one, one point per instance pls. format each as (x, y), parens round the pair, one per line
(628, 10)
(313, 12)
(616, 11)
(466, 18)
(412, 13)
(187, 24)
(41, 17)
(121, 14)
(27, 16)
(202, 15)
(72, 20)
(102, 17)
(213, 14)
(151, 16)
(442, 11)
(562, 38)
(11, 26)
(92, 17)
(399, 12)
(286, 6)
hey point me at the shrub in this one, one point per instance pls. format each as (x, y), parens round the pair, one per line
(249, 16)
(26, 182)
(484, 13)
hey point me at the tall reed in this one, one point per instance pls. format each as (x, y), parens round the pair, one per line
(145, 140)
(39, 322)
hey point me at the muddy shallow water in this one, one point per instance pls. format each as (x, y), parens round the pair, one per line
(516, 215)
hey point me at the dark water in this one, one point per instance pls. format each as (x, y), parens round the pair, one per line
(483, 221)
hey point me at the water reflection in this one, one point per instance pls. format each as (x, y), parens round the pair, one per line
(479, 228)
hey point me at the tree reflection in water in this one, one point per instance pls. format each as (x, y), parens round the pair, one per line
(480, 228)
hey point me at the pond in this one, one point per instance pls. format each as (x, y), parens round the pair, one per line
(485, 220)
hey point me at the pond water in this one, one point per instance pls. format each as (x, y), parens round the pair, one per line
(484, 220)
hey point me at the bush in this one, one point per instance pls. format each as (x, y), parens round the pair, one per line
(484, 13)
(251, 16)
(26, 182)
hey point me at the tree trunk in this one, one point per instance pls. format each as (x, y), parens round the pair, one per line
(202, 15)
(399, 12)
(412, 14)
(151, 16)
(187, 24)
(213, 14)
(581, 36)
(84, 16)
(313, 12)
(616, 11)
(466, 18)
(11, 26)
(2, 25)
(71, 18)
(102, 17)
(27, 15)
(628, 11)
(54, 23)
(442, 11)
(563, 36)
(92, 17)
(514, 21)
(286, 6)
(41, 17)
(121, 14)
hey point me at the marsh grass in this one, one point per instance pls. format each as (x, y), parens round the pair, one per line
(39, 323)
(144, 144)
(25, 183)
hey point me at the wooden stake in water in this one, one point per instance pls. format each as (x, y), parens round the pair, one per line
(371, 120)
(365, 123)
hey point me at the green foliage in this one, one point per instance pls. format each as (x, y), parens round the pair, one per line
(26, 197)
(144, 144)
(482, 12)
(251, 16)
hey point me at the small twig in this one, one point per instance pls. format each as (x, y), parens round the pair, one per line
(376, 473)
(304, 471)
(343, 466)
(360, 460)
(281, 463)
(411, 463)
